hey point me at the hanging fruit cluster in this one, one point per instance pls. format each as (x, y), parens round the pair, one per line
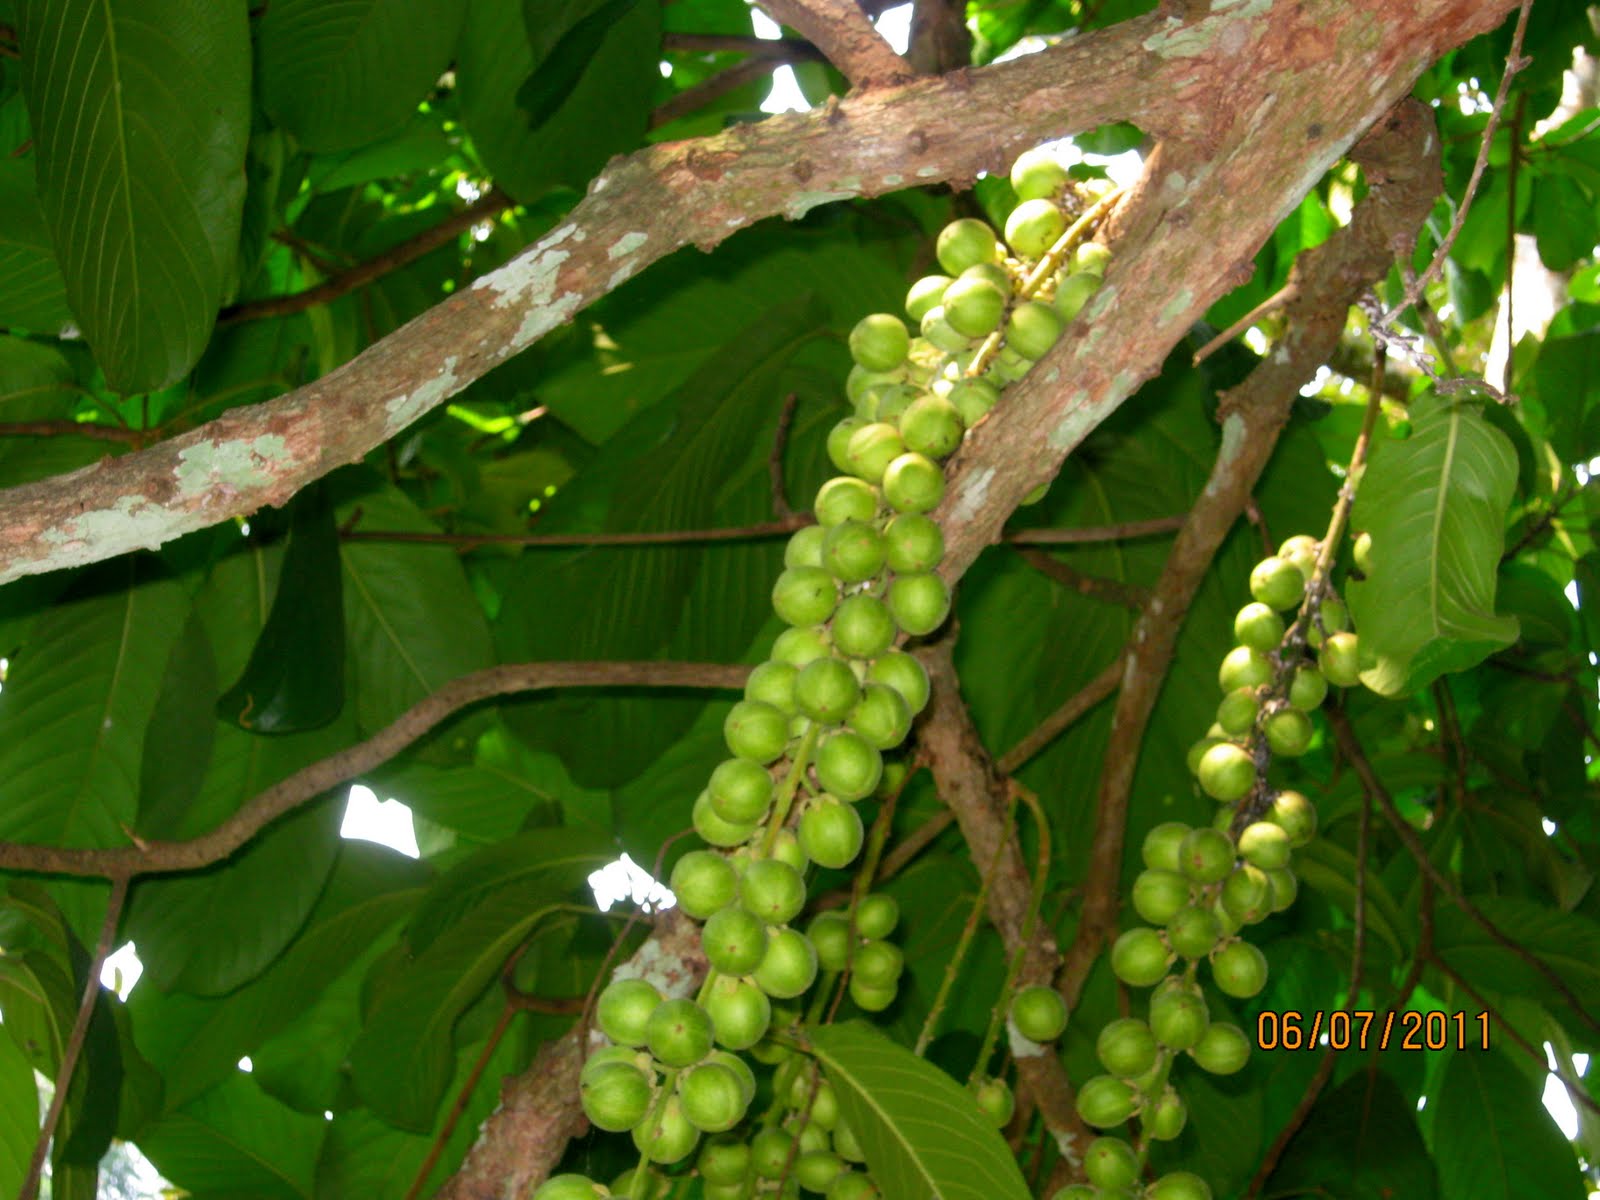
(807, 741)
(1202, 886)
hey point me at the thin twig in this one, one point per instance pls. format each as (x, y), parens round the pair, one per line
(1273, 302)
(75, 1040)
(717, 43)
(84, 429)
(1095, 587)
(695, 97)
(1122, 531)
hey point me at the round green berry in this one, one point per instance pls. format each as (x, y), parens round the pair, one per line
(1288, 732)
(903, 673)
(1139, 957)
(1127, 1048)
(1179, 1185)
(669, 1136)
(1159, 895)
(1340, 659)
(877, 915)
(712, 1096)
(931, 426)
(1160, 848)
(796, 648)
(830, 934)
(879, 342)
(1178, 1016)
(1222, 1049)
(826, 690)
(913, 483)
(966, 243)
(848, 765)
(863, 627)
(703, 883)
(678, 1033)
(1237, 712)
(1239, 969)
(1258, 627)
(1033, 227)
(881, 716)
(624, 1009)
(1039, 1013)
(1295, 815)
(715, 829)
(1244, 667)
(973, 306)
(925, 293)
(772, 890)
(973, 398)
(740, 1012)
(919, 602)
(1164, 1118)
(1105, 1101)
(872, 448)
(1206, 855)
(1227, 772)
(1277, 583)
(1037, 175)
(878, 963)
(1193, 932)
(914, 542)
(805, 595)
(789, 967)
(1110, 1163)
(734, 941)
(1032, 329)
(1265, 845)
(1073, 292)
(844, 498)
(741, 790)
(853, 551)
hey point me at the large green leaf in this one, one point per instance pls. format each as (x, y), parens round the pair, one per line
(1360, 1143)
(921, 1131)
(19, 1113)
(32, 292)
(1435, 506)
(402, 1061)
(1493, 1139)
(75, 705)
(339, 74)
(141, 112)
(1569, 943)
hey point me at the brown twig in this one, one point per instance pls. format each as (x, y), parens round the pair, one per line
(787, 49)
(84, 429)
(158, 857)
(695, 97)
(490, 204)
(1351, 747)
(1121, 531)
(1095, 587)
(846, 38)
(80, 1030)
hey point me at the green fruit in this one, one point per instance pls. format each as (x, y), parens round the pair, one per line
(1295, 815)
(1206, 855)
(966, 243)
(1265, 845)
(1078, 1191)
(871, 999)
(724, 1162)
(1277, 583)
(1301, 550)
(712, 1097)
(1104, 1102)
(826, 690)
(1039, 1013)
(740, 1013)
(825, 1106)
(669, 1137)
(1227, 772)
(881, 716)
(1193, 932)
(1239, 970)
(769, 1152)
(1340, 659)
(1258, 627)
(1073, 292)
(1361, 552)
(990, 272)
(877, 915)
(995, 1101)
(973, 399)
(716, 830)
(703, 883)
(1139, 957)
(741, 789)
(919, 601)
(844, 499)
(1092, 258)
(845, 1144)
(872, 448)
(1222, 1049)
(1110, 1163)
(853, 551)
(1307, 689)
(1178, 1015)
(804, 547)
(1285, 887)
(678, 1033)
(797, 647)
(1033, 227)
(891, 402)
(1246, 895)
(1198, 751)
(831, 834)
(624, 1009)
(1164, 1119)
(852, 1185)
(1036, 175)
(1179, 1185)
(878, 963)
(973, 306)
(772, 890)
(1244, 668)
(931, 426)
(848, 765)
(805, 595)
(902, 672)
(816, 1170)
(1032, 329)
(1127, 1048)
(913, 483)
(616, 1097)
(1237, 712)
(608, 1056)
(569, 1187)
(938, 332)
(734, 941)
(863, 627)
(1332, 615)
(1158, 896)
(925, 293)
(838, 441)
(772, 683)
(789, 967)
(1161, 847)
(1288, 732)
(830, 934)
(879, 342)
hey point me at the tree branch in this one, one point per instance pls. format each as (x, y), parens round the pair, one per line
(1179, 81)
(1095, 587)
(841, 30)
(83, 429)
(306, 784)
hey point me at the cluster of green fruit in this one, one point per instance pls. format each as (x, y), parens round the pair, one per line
(1201, 886)
(808, 738)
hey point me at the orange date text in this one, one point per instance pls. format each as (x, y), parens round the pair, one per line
(1365, 1029)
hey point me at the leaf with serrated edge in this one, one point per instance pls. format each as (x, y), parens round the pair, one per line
(922, 1133)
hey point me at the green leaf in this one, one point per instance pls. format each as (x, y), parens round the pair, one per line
(1569, 943)
(140, 115)
(19, 1113)
(1331, 870)
(548, 87)
(340, 75)
(32, 293)
(921, 1131)
(1435, 506)
(294, 680)
(181, 732)
(403, 1059)
(75, 705)
(1493, 1139)
(1360, 1143)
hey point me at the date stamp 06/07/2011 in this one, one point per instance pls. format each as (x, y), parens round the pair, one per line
(1363, 1029)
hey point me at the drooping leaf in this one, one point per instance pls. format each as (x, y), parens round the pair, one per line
(141, 113)
(1493, 1139)
(548, 87)
(921, 1131)
(32, 292)
(1435, 506)
(340, 75)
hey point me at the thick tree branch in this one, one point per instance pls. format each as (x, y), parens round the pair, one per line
(150, 857)
(1269, 133)
(1401, 160)
(844, 34)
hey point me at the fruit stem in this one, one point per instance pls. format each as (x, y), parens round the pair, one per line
(791, 783)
